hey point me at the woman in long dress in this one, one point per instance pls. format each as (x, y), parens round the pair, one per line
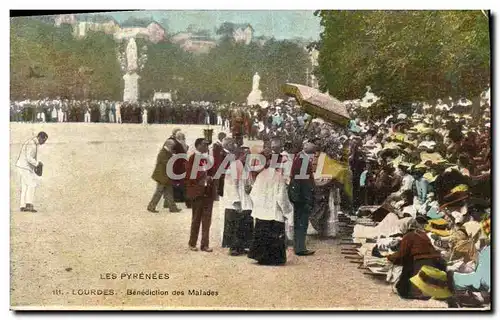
(271, 208)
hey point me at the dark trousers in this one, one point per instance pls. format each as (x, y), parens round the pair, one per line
(363, 196)
(202, 214)
(357, 199)
(168, 194)
(370, 195)
(300, 223)
(238, 229)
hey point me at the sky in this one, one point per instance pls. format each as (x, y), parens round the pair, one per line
(282, 24)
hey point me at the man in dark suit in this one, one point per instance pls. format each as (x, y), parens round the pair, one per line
(164, 184)
(219, 154)
(302, 195)
(179, 166)
(201, 190)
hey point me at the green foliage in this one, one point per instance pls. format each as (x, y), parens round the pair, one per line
(225, 73)
(58, 58)
(88, 68)
(404, 55)
(226, 30)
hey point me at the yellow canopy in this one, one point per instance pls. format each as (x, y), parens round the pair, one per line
(336, 170)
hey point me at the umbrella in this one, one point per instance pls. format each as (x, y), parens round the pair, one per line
(318, 104)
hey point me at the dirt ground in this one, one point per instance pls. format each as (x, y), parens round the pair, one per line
(92, 221)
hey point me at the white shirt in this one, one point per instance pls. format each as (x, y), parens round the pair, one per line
(27, 157)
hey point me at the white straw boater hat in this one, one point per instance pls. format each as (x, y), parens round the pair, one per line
(427, 145)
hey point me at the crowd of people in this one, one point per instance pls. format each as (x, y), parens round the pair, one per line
(147, 112)
(418, 184)
(421, 180)
(424, 186)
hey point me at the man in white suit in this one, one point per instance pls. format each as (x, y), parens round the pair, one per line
(87, 115)
(118, 113)
(26, 164)
(144, 115)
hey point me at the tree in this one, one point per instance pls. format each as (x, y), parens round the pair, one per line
(166, 68)
(224, 74)
(404, 56)
(136, 22)
(54, 54)
(226, 30)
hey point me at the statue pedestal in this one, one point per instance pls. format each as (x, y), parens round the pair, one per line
(254, 98)
(131, 89)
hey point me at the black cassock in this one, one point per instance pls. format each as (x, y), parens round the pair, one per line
(238, 229)
(269, 242)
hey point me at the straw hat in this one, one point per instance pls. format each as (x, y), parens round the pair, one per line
(427, 145)
(433, 157)
(457, 194)
(421, 165)
(405, 164)
(428, 121)
(430, 177)
(432, 282)
(396, 162)
(391, 146)
(422, 128)
(439, 227)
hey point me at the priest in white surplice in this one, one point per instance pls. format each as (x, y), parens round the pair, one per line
(26, 164)
(238, 223)
(272, 211)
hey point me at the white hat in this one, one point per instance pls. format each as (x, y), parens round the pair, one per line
(402, 116)
(427, 144)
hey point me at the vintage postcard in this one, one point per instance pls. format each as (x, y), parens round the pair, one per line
(250, 160)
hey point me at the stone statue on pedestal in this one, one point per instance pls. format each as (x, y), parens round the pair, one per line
(255, 96)
(131, 78)
(131, 90)
(131, 55)
(255, 82)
